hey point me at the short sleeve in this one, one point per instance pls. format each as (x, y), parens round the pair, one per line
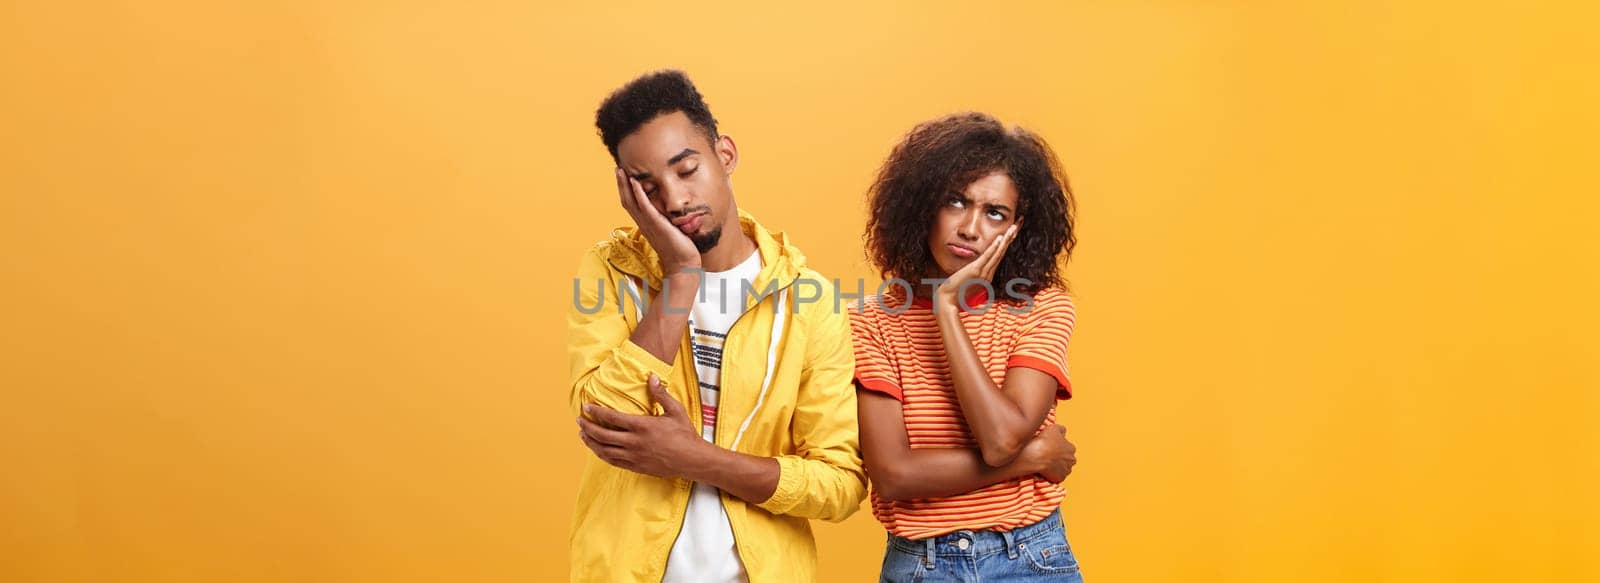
(1042, 340)
(875, 370)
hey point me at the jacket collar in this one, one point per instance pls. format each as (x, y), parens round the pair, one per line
(781, 262)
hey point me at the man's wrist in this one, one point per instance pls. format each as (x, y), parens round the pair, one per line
(686, 268)
(680, 289)
(685, 279)
(701, 460)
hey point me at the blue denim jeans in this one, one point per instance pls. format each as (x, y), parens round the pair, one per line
(1037, 552)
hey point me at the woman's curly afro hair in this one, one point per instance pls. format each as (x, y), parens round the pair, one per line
(941, 157)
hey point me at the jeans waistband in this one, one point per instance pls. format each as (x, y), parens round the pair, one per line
(981, 542)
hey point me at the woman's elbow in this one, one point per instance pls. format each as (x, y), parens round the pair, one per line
(888, 483)
(999, 452)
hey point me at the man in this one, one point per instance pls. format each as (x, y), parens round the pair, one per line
(691, 310)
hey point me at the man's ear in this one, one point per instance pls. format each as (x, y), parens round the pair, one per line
(728, 153)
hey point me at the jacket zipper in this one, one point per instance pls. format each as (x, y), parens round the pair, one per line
(716, 430)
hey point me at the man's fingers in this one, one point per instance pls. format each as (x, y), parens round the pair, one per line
(598, 448)
(615, 456)
(669, 406)
(603, 434)
(609, 418)
(642, 200)
(624, 194)
(636, 202)
(649, 212)
(611, 453)
(589, 442)
(636, 191)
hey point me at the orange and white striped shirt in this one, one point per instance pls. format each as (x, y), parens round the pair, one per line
(902, 355)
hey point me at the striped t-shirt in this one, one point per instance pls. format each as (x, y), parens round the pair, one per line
(902, 355)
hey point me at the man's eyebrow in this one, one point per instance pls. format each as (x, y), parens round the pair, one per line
(687, 152)
(998, 207)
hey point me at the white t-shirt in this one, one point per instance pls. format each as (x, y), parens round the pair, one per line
(705, 549)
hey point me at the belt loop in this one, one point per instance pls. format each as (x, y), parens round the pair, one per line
(1011, 544)
(932, 547)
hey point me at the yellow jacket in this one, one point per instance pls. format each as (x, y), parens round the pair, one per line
(787, 392)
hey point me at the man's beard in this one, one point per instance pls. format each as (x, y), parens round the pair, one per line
(705, 242)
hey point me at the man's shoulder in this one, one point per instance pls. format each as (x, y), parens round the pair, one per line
(605, 244)
(811, 291)
(617, 244)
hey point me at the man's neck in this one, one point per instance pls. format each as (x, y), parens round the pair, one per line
(728, 253)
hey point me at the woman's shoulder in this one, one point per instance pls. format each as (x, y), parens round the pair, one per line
(1053, 298)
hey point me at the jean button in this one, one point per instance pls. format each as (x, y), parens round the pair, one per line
(963, 544)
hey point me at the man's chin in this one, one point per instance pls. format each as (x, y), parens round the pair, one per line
(705, 242)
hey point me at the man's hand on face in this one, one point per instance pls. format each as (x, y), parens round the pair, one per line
(666, 445)
(676, 249)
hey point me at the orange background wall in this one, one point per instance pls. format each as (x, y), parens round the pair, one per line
(283, 283)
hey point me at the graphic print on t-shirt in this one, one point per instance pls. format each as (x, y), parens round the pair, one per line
(708, 365)
(705, 550)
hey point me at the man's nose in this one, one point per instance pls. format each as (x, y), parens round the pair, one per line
(675, 198)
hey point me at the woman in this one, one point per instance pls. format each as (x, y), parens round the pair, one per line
(960, 363)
